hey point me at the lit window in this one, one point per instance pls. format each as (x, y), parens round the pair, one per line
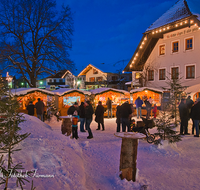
(99, 79)
(92, 79)
(161, 74)
(137, 75)
(190, 72)
(188, 43)
(174, 73)
(175, 47)
(150, 75)
(162, 50)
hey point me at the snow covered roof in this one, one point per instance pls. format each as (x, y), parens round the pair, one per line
(193, 89)
(146, 88)
(63, 91)
(24, 91)
(182, 9)
(101, 90)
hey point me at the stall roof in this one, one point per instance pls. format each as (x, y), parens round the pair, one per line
(63, 91)
(101, 90)
(146, 88)
(24, 91)
(193, 89)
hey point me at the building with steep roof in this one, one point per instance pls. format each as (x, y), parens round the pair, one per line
(169, 48)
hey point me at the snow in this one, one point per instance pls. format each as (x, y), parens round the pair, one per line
(24, 91)
(177, 12)
(94, 164)
(193, 89)
(101, 90)
(63, 91)
(145, 88)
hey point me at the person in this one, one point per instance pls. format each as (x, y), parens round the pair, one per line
(138, 103)
(184, 116)
(109, 107)
(196, 116)
(126, 112)
(150, 100)
(148, 108)
(99, 112)
(30, 108)
(82, 116)
(72, 109)
(118, 116)
(88, 116)
(75, 118)
(190, 103)
(154, 110)
(39, 109)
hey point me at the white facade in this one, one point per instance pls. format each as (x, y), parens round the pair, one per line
(163, 58)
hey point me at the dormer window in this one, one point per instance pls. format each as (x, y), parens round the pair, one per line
(95, 71)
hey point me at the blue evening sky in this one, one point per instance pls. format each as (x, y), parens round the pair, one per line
(108, 31)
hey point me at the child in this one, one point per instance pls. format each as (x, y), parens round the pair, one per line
(154, 110)
(75, 118)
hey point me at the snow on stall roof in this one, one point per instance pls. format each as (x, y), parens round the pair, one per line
(177, 12)
(100, 90)
(146, 88)
(193, 89)
(24, 91)
(63, 91)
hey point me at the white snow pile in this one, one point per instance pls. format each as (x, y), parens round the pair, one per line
(64, 163)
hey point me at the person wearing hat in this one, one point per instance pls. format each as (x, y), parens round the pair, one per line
(73, 108)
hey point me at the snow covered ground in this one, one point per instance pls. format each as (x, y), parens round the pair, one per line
(69, 164)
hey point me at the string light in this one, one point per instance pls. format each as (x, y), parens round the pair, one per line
(181, 23)
(176, 25)
(153, 32)
(167, 27)
(136, 54)
(191, 21)
(140, 47)
(185, 21)
(145, 38)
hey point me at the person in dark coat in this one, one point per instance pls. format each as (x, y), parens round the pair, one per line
(99, 112)
(190, 103)
(184, 117)
(82, 116)
(195, 115)
(118, 116)
(109, 107)
(148, 108)
(88, 116)
(39, 109)
(30, 108)
(126, 112)
(73, 108)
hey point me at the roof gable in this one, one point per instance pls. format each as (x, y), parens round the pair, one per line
(60, 74)
(88, 68)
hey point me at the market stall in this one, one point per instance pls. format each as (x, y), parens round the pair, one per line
(67, 97)
(25, 95)
(146, 92)
(193, 91)
(117, 97)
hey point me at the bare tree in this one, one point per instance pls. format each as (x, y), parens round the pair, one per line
(35, 37)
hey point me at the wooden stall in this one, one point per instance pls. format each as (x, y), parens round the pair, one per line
(146, 92)
(24, 95)
(117, 97)
(67, 97)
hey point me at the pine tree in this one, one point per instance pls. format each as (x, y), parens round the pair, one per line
(168, 119)
(52, 110)
(10, 136)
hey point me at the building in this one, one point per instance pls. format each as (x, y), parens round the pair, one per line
(169, 48)
(92, 77)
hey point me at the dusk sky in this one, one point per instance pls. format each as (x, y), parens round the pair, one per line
(108, 31)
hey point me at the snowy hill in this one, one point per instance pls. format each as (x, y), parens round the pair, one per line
(94, 164)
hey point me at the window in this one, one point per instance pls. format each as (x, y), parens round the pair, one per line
(114, 78)
(54, 80)
(162, 50)
(175, 47)
(60, 80)
(50, 80)
(92, 79)
(150, 75)
(190, 72)
(161, 74)
(188, 44)
(137, 75)
(95, 71)
(174, 73)
(99, 79)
